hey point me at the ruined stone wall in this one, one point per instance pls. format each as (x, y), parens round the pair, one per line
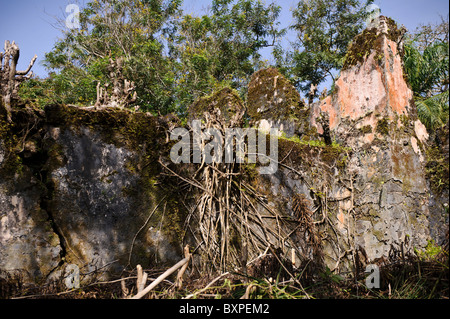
(79, 187)
(373, 179)
(372, 112)
(86, 187)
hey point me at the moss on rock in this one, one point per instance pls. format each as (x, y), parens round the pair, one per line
(301, 152)
(120, 127)
(226, 100)
(371, 40)
(383, 126)
(271, 95)
(9, 144)
(437, 170)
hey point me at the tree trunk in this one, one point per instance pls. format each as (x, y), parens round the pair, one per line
(10, 78)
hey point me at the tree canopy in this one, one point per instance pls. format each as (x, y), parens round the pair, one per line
(174, 58)
(426, 64)
(324, 30)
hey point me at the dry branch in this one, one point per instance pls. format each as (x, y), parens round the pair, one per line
(180, 275)
(141, 278)
(122, 94)
(158, 280)
(207, 286)
(10, 78)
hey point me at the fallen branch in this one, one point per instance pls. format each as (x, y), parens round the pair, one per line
(141, 279)
(207, 286)
(158, 280)
(248, 291)
(179, 281)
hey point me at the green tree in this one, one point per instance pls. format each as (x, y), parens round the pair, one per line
(38, 91)
(428, 75)
(324, 30)
(136, 30)
(223, 48)
(426, 63)
(171, 58)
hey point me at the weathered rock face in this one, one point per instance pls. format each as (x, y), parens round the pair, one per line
(225, 104)
(93, 205)
(27, 241)
(372, 112)
(371, 86)
(371, 183)
(84, 193)
(86, 187)
(437, 173)
(273, 102)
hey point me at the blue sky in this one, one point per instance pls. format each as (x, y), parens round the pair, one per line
(32, 23)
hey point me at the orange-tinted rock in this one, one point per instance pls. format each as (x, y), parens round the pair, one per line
(372, 87)
(372, 113)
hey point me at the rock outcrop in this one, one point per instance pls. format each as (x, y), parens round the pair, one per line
(372, 112)
(273, 102)
(79, 187)
(359, 180)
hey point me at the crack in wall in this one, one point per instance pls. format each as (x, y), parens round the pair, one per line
(37, 162)
(46, 206)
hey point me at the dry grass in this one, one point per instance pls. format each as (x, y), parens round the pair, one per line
(268, 277)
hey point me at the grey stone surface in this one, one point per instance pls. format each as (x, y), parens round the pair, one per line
(28, 243)
(85, 207)
(87, 203)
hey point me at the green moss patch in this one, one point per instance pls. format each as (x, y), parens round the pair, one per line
(10, 141)
(437, 170)
(383, 126)
(367, 129)
(300, 152)
(367, 42)
(226, 100)
(271, 95)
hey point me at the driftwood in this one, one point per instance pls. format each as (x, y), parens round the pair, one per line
(10, 78)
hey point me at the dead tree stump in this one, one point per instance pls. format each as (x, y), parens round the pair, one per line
(122, 94)
(10, 78)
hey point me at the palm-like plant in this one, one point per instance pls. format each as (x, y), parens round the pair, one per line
(428, 76)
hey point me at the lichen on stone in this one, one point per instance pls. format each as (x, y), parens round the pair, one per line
(371, 39)
(226, 102)
(271, 95)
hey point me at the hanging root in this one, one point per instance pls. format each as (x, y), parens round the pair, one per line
(231, 223)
